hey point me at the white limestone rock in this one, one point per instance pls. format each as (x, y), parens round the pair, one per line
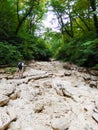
(5, 118)
(3, 100)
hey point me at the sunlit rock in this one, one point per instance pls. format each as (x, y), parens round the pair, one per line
(3, 100)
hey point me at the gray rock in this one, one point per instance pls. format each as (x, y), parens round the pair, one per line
(5, 119)
(7, 89)
(93, 78)
(3, 100)
(67, 73)
(39, 107)
(60, 124)
(87, 77)
(93, 84)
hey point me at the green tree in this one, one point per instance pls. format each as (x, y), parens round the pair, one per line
(95, 18)
(7, 20)
(63, 11)
(78, 25)
(29, 13)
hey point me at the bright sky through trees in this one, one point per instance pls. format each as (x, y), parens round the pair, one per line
(50, 20)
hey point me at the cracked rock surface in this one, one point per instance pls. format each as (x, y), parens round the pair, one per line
(50, 96)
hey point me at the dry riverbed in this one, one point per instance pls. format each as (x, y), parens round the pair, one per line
(50, 96)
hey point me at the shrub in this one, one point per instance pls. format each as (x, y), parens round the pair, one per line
(79, 52)
(10, 70)
(41, 52)
(9, 55)
(36, 49)
(26, 49)
(90, 53)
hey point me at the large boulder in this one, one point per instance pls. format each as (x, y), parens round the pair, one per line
(6, 88)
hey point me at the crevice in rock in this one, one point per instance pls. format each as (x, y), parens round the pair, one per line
(95, 119)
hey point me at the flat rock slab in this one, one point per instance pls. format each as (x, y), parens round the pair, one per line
(5, 118)
(3, 100)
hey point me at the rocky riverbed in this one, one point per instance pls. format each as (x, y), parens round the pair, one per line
(50, 96)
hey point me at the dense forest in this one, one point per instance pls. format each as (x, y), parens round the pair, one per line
(24, 37)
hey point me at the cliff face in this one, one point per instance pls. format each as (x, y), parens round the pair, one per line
(50, 96)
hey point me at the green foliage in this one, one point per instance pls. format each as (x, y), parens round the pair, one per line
(26, 49)
(9, 54)
(83, 54)
(95, 67)
(76, 41)
(10, 70)
(41, 50)
(7, 20)
(65, 51)
(56, 43)
(90, 52)
(36, 49)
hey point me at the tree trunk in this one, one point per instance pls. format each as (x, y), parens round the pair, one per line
(22, 20)
(93, 6)
(18, 10)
